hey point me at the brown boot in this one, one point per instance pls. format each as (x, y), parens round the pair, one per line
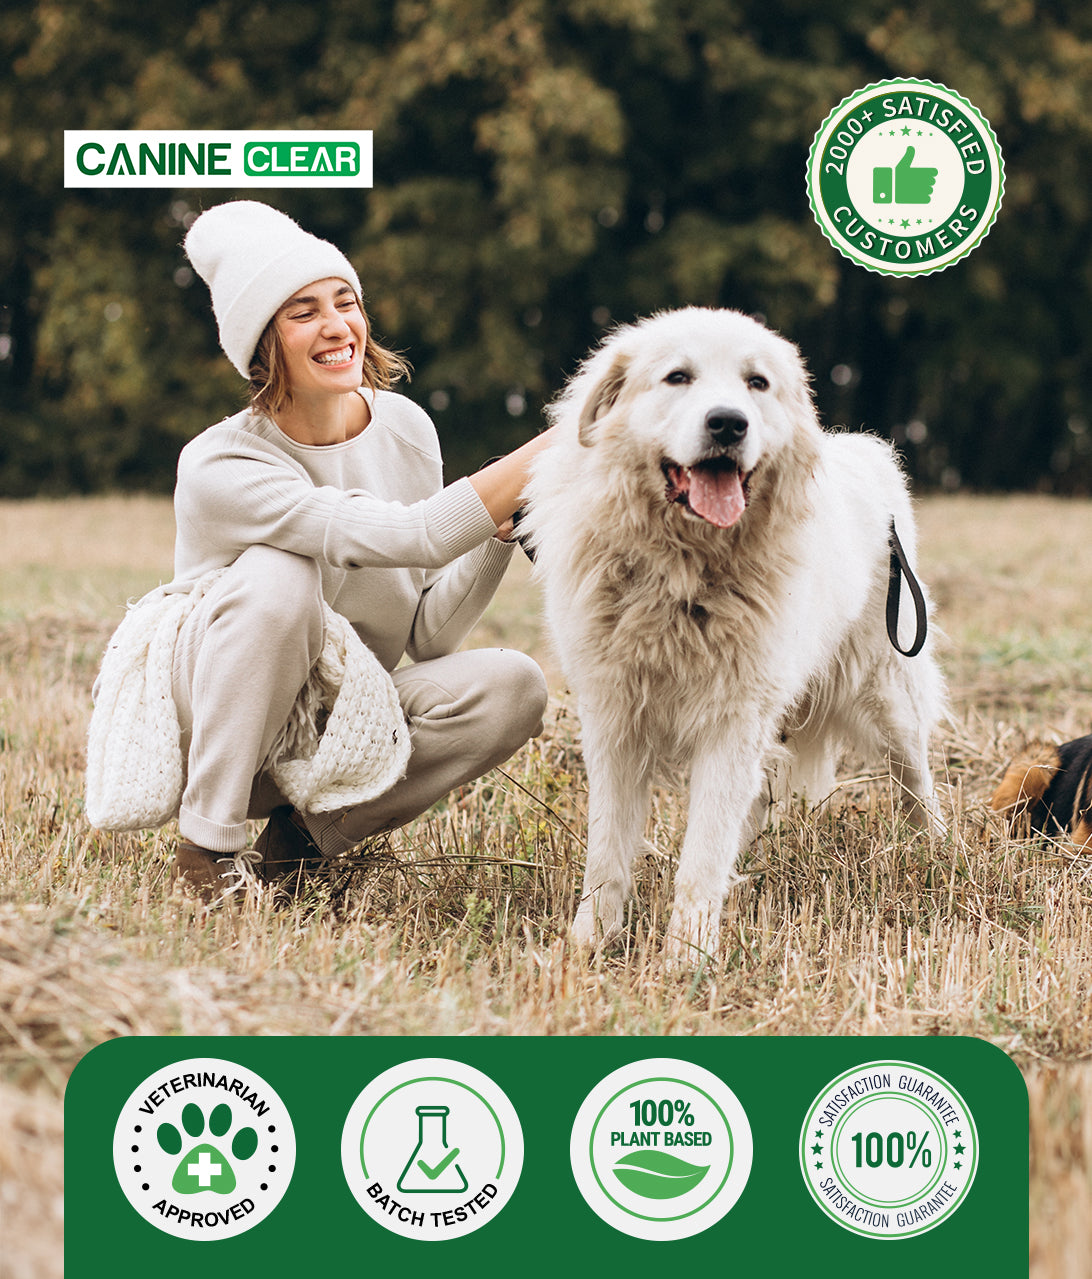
(207, 875)
(287, 851)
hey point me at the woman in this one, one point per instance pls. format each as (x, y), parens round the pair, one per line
(326, 491)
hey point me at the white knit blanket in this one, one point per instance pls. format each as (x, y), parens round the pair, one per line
(134, 755)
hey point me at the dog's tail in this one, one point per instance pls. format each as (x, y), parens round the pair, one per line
(1027, 780)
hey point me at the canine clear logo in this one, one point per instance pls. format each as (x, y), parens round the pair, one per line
(905, 177)
(204, 1149)
(217, 158)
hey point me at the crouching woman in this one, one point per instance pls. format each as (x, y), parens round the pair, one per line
(316, 546)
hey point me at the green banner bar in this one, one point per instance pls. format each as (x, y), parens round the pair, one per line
(900, 1156)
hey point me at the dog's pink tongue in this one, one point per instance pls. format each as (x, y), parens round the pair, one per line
(716, 495)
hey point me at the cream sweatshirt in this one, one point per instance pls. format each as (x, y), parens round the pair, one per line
(409, 563)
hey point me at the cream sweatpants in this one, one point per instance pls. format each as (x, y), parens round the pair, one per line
(243, 656)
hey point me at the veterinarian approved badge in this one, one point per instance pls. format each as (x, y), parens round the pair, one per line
(204, 1149)
(905, 177)
(889, 1150)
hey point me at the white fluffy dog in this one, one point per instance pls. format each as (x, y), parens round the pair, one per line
(715, 567)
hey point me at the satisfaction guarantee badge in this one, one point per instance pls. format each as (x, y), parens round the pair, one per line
(905, 177)
(889, 1150)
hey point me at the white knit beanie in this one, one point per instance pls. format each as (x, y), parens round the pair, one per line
(254, 258)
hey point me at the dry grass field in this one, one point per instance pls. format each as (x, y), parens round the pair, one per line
(845, 925)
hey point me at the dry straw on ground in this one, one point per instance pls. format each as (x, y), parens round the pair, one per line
(847, 923)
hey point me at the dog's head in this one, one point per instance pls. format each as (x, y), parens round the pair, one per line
(702, 401)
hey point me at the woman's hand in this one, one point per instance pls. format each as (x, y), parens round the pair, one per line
(500, 485)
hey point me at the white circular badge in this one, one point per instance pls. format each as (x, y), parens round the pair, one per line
(204, 1149)
(889, 1150)
(661, 1149)
(432, 1149)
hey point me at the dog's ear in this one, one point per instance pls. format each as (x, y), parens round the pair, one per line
(601, 398)
(801, 400)
(792, 381)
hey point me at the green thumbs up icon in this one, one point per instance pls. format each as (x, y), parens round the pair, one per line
(907, 184)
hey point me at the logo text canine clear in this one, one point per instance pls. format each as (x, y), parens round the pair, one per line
(217, 158)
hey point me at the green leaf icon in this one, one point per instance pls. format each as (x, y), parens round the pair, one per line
(654, 1174)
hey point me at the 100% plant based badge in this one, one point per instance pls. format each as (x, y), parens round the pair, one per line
(661, 1149)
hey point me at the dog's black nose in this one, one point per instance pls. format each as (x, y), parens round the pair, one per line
(729, 426)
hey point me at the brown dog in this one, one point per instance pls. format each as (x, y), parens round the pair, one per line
(1052, 785)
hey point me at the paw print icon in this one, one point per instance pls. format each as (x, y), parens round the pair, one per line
(205, 1167)
(204, 1149)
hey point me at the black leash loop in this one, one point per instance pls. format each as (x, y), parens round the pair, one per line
(900, 568)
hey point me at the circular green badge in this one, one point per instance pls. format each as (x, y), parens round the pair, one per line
(905, 177)
(889, 1150)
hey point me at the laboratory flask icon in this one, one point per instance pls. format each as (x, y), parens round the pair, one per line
(431, 1168)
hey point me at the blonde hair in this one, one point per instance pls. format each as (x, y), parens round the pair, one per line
(270, 390)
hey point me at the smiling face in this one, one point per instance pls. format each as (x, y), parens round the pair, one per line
(322, 332)
(705, 400)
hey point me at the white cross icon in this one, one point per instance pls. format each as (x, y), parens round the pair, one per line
(204, 1169)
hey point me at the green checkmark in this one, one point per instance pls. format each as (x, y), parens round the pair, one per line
(433, 1173)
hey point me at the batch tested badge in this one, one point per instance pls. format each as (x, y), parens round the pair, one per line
(432, 1149)
(905, 177)
(204, 1149)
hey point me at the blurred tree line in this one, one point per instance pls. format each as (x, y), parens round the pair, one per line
(544, 169)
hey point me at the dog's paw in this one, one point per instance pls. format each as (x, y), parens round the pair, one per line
(926, 815)
(595, 924)
(583, 931)
(692, 936)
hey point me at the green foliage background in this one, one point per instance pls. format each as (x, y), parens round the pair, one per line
(544, 169)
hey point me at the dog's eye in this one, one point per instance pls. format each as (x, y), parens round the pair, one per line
(756, 382)
(679, 377)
